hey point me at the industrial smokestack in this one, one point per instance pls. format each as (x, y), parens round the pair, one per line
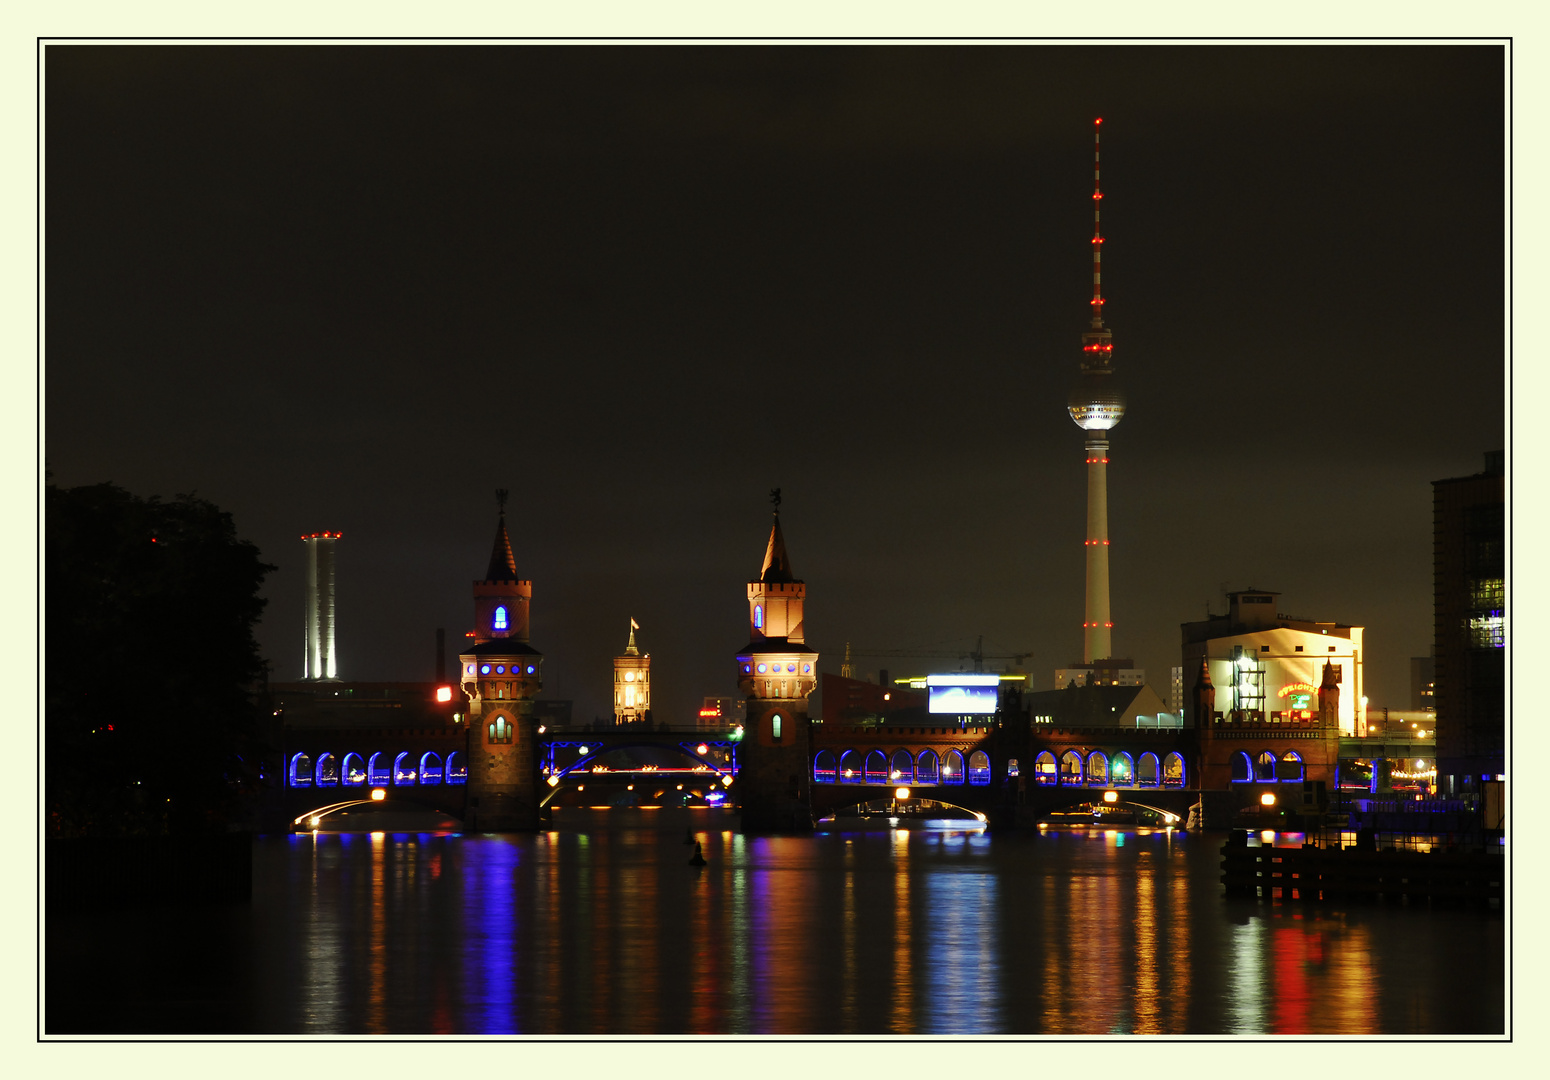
(319, 660)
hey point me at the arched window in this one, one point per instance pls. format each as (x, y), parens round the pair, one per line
(952, 768)
(1173, 770)
(499, 729)
(301, 771)
(775, 725)
(457, 770)
(354, 770)
(979, 768)
(901, 768)
(926, 768)
(876, 768)
(1242, 768)
(758, 616)
(1291, 769)
(430, 768)
(1265, 766)
(850, 767)
(1070, 767)
(1097, 769)
(376, 770)
(1122, 770)
(824, 767)
(326, 774)
(1147, 770)
(1044, 769)
(500, 617)
(403, 770)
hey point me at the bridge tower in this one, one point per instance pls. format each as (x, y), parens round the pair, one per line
(500, 674)
(776, 672)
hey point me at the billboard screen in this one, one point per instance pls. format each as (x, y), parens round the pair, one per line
(962, 694)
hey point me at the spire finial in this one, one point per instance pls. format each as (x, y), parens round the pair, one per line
(775, 499)
(500, 500)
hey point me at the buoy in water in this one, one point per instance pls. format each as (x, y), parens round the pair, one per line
(698, 858)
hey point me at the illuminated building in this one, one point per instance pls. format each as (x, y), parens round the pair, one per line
(1096, 405)
(776, 673)
(500, 674)
(1469, 628)
(319, 660)
(1108, 672)
(632, 683)
(722, 713)
(1266, 666)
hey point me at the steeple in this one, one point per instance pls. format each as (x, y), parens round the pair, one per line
(777, 565)
(630, 649)
(503, 565)
(775, 597)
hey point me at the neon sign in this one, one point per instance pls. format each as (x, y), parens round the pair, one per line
(1297, 688)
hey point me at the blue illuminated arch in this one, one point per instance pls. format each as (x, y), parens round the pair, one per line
(1242, 768)
(927, 768)
(1173, 770)
(1098, 769)
(901, 767)
(430, 767)
(1122, 770)
(979, 768)
(1289, 758)
(1148, 771)
(1265, 765)
(377, 770)
(457, 768)
(758, 616)
(300, 772)
(1044, 769)
(326, 772)
(824, 767)
(499, 622)
(952, 767)
(403, 771)
(1070, 768)
(354, 770)
(850, 767)
(876, 767)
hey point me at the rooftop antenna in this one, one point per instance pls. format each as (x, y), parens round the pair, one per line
(1097, 232)
(500, 499)
(775, 499)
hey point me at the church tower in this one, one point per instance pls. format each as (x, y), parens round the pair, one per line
(632, 683)
(500, 675)
(776, 672)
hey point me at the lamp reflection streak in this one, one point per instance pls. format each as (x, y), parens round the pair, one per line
(901, 1019)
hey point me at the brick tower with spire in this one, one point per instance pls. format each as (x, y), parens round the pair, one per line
(500, 675)
(776, 672)
(632, 683)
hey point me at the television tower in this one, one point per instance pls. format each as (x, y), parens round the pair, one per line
(1096, 405)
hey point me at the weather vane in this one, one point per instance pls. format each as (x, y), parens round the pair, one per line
(775, 499)
(500, 497)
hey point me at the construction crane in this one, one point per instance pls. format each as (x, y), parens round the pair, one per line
(977, 654)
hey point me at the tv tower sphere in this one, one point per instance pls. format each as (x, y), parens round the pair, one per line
(1096, 402)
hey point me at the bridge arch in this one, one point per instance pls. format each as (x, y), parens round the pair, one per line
(953, 769)
(1242, 767)
(901, 767)
(1173, 770)
(377, 773)
(825, 767)
(430, 768)
(403, 770)
(850, 767)
(1097, 769)
(300, 771)
(457, 768)
(1265, 765)
(1070, 769)
(876, 767)
(1148, 770)
(326, 773)
(927, 768)
(1292, 757)
(354, 770)
(979, 768)
(1045, 770)
(1122, 770)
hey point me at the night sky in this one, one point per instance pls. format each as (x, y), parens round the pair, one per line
(359, 288)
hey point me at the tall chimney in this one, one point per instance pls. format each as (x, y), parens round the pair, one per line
(319, 661)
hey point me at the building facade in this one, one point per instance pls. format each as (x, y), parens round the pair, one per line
(1470, 626)
(1269, 666)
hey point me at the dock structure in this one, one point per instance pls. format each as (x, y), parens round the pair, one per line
(1347, 874)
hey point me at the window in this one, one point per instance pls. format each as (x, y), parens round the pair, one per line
(758, 618)
(500, 617)
(979, 768)
(500, 730)
(952, 768)
(775, 726)
(1265, 766)
(823, 767)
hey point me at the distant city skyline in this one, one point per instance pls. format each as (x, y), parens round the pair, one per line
(356, 289)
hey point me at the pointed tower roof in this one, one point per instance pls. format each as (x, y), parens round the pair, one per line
(630, 649)
(777, 565)
(503, 566)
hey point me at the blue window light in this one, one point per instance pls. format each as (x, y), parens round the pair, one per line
(500, 617)
(758, 616)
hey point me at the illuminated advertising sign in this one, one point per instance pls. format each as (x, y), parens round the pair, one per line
(710, 712)
(962, 694)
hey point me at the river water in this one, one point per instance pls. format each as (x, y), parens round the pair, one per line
(600, 926)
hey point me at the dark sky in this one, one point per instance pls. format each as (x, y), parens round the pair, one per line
(359, 288)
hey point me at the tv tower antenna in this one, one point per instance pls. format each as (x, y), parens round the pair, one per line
(1096, 405)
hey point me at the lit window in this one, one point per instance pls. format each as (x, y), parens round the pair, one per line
(500, 617)
(775, 726)
(758, 616)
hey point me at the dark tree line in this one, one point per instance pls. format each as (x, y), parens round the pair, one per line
(149, 664)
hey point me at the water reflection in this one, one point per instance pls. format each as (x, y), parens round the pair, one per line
(600, 926)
